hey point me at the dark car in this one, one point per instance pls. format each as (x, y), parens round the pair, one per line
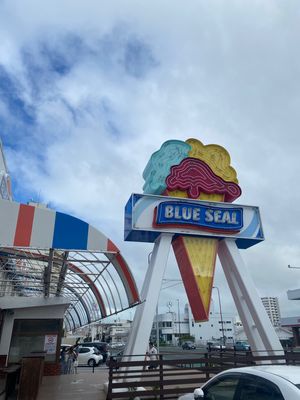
(102, 347)
(188, 346)
(117, 357)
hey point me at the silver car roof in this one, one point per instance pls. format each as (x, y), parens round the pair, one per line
(288, 372)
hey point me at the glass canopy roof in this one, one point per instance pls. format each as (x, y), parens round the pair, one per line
(93, 282)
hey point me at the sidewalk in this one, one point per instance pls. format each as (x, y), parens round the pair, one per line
(84, 385)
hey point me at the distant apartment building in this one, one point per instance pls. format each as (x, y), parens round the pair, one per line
(293, 323)
(116, 332)
(272, 307)
(173, 328)
(219, 327)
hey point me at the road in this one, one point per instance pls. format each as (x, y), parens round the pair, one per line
(171, 352)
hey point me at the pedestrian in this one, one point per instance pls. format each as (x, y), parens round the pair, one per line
(152, 354)
(63, 360)
(72, 356)
(70, 361)
(75, 363)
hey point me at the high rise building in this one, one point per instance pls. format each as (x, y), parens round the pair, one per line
(272, 307)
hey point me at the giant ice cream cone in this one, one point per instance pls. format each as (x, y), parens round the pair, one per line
(202, 172)
(196, 259)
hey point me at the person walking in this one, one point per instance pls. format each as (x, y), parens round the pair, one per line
(153, 355)
(70, 361)
(75, 363)
(72, 355)
(63, 361)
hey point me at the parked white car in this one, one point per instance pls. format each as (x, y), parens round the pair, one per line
(89, 356)
(265, 382)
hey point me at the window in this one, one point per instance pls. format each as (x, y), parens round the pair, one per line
(222, 388)
(84, 350)
(30, 336)
(256, 388)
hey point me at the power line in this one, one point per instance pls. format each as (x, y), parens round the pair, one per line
(289, 266)
(175, 284)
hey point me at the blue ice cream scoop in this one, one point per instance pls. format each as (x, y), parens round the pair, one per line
(172, 152)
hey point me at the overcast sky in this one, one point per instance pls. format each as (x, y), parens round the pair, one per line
(89, 90)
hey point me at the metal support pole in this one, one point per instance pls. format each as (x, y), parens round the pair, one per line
(258, 328)
(157, 329)
(221, 315)
(179, 332)
(143, 319)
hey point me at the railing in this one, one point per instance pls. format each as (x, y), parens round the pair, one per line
(175, 374)
(78, 368)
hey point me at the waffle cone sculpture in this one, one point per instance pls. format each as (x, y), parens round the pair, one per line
(191, 170)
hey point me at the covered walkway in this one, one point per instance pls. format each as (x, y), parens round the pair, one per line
(57, 273)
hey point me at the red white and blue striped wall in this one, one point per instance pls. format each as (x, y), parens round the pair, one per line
(41, 228)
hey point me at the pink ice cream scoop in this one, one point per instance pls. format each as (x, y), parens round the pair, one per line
(195, 176)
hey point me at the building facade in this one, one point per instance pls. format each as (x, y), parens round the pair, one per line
(173, 328)
(272, 307)
(219, 328)
(170, 327)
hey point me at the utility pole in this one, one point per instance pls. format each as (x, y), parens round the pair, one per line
(157, 329)
(179, 333)
(221, 315)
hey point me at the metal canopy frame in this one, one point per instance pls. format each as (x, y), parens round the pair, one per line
(88, 280)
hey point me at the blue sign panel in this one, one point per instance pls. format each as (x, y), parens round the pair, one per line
(147, 216)
(174, 213)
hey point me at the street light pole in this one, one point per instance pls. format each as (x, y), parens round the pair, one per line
(157, 329)
(179, 333)
(221, 315)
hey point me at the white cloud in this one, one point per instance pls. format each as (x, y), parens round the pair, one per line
(223, 72)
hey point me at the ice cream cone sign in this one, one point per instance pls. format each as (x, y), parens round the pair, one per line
(187, 204)
(198, 172)
(188, 191)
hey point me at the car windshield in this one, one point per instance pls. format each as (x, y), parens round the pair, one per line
(298, 386)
